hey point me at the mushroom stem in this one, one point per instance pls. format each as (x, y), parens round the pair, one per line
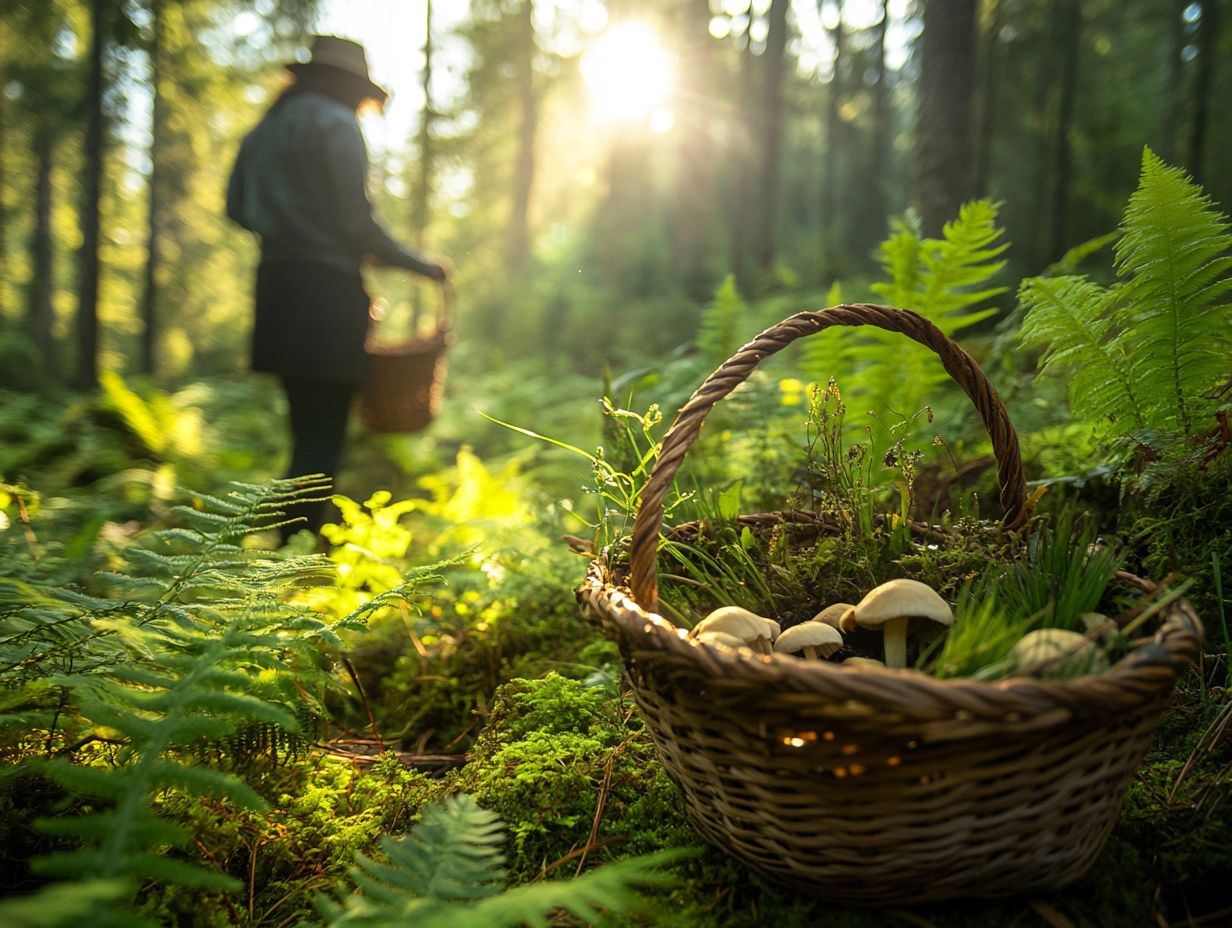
(810, 651)
(895, 632)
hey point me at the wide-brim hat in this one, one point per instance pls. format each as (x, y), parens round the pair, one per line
(344, 56)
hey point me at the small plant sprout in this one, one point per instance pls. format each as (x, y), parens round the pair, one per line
(1056, 652)
(890, 607)
(754, 631)
(832, 615)
(814, 640)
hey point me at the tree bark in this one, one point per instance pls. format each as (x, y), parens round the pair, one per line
(524, 172)
(149, 297)
(879, 143)
(765, 248)
(943, 135)
(1208, 35)
(694, 193)
(421, 198)
(4, 147)
(41, 314)
(742, 135)
(92, 181)
(830, 225)
(988, 99)
(1069, 19)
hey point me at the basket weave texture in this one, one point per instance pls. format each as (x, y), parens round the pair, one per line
(406, 381)
(880, 787)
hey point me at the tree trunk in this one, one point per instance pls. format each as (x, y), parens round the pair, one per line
(1208, 35)
(524, 172)
(1069, 17)
(149, 297)
(880, 142)
(421, 201)
(765, 247)
(742, 174)
(92, 181)
(694, 193)
(835, 150)
(1174, 96)
(41, 313)
(988, 99)
(943, 135)
(4, 147)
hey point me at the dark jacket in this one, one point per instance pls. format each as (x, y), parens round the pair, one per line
(300, 183)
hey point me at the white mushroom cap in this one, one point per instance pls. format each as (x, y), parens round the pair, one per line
(816, 639)
(832, 614)
(889, 606)
(722, 638)
(751, 629)
(863, 662)
(1063, 652)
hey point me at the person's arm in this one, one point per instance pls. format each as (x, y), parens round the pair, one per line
(235, 192)
(346, 161)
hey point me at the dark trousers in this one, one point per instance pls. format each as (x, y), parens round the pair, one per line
(319, 413)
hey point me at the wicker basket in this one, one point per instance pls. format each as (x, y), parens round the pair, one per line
(878, 787)
(406, 380)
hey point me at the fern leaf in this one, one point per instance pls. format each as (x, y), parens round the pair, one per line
(1072, 317)
(1173, 251)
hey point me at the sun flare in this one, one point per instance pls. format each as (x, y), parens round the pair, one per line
(629, 76)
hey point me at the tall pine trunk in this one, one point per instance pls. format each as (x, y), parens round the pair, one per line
(1069, 20)
(4, 148)
(742, 161)
(943, 134)
(831, 225)
(40, 313)
(694, 188)
(1208, 36)
(90, 219)
(149, 296)
(524, 171)
(986, 131)
(421, 201)
(879, 143)
(765, 246)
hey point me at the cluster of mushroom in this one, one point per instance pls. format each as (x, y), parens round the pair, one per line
(889, 608)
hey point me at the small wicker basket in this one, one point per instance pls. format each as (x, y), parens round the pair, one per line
(406, 380)
(880, 787)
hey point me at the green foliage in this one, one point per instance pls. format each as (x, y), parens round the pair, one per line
(724, 324)
(449, 871)
(1147, 352)
(190, 642)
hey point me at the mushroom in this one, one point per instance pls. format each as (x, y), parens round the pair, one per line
(1064, 653)
(754, 631)
(816, 639)
(832, 614)
(723, 638)
(863, 662)
(890, 606)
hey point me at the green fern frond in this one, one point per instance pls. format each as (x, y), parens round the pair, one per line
(1148, 352)
(62, 904)
(722, 328)
(1173, 253)
(449, 872)
(1071, 317)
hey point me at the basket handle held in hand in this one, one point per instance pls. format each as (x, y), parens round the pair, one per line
(444, 309)
(958, 364)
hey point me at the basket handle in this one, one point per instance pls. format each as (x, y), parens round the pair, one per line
(644, 579)
(444, 309)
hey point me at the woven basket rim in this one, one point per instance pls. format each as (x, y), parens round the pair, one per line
(1137, 679)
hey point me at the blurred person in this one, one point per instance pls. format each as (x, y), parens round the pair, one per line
(300, 182)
